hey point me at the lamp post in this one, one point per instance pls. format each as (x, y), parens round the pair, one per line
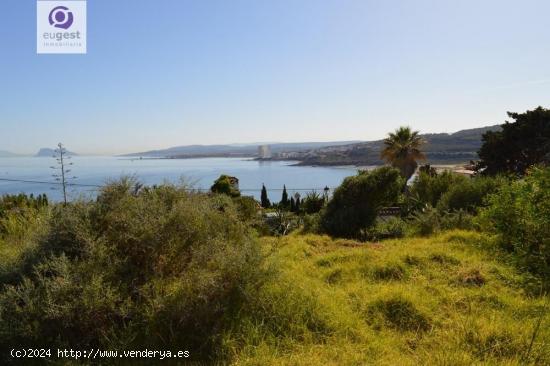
(326, 190)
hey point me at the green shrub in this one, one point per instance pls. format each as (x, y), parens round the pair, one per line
(426, 222)
(70, 232)
(311, 223)
(393, 227)
(520, 214)
(247, 207)
(225, 185)
(20, 212)
(10, 203)
(431, 220)
(470, 194)
(312, 203)
(457, 220)
(449, 191)
(428, 189)
(355, 203)
(147, 267)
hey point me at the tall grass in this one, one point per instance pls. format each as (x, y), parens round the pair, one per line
(164, 268)
(434, 301)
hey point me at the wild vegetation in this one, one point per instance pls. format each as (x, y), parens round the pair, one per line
(458, 274)
(442, 300)
(139, 267)
(163, 268)
(520, 215)
(440, 148)
(355, 204)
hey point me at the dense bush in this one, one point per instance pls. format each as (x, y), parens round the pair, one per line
(425, 222)
(312, 203)
(225, 185)
(451, 192)
(17, 212)
(520, 214)
(140, 267)
(427, 189)
(355, 203)
(469, 195)
(393, 227)
(312, 223)
(21, 201)
(247, 208)
(431, 220)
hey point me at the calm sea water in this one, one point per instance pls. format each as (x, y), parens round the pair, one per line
(201, 172)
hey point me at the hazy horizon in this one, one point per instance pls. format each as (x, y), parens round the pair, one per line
(97, 153)
(171, 73)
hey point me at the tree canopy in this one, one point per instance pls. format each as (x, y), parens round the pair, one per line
(226, 185)
(356, 202)
(284, 198)
(264, 199)
(402, 150)
(518, 146)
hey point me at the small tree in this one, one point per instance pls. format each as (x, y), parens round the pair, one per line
(427, 189)
(355, 203)
(313, 202)
(297, 203)
(284, 198)
(292, 205)
(226, 185)
(263, 199)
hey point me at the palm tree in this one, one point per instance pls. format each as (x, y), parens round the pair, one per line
(402, 150)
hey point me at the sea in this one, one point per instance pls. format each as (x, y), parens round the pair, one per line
(88, 173)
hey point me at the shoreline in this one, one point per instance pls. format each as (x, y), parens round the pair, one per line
(299, 163)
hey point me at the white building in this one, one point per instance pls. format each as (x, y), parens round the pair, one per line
(264, 152)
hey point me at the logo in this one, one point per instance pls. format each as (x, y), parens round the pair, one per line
(61, 17)
(61, 26)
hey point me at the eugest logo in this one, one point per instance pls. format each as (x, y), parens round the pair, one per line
(61, 26)
(61, 17)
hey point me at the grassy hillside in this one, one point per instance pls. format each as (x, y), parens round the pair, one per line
(437, 301)
(441, 148)
(164, 268)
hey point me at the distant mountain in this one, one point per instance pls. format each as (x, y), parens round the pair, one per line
(7, 154)
(47, 152)
(232, 150)
(441, 148)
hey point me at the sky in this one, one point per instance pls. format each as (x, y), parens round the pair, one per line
(162, 73)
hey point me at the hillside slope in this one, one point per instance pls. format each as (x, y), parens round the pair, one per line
(434, 301)
(233, 150)
(441, 148)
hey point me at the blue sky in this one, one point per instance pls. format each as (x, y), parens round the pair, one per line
(173, 72)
